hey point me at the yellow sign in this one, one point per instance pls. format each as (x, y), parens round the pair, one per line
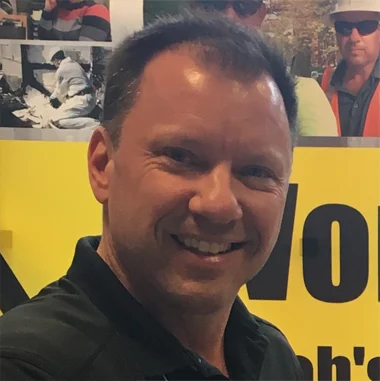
(321, 286)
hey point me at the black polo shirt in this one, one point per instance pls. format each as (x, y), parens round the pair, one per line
(353, 108)
(87, 326)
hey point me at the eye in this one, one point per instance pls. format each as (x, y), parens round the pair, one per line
(257, 177)
(180, 155)
(256, 172)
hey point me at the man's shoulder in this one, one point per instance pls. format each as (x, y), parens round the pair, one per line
(98, 10)
(58, 331)
(270, 331)
(280, 360)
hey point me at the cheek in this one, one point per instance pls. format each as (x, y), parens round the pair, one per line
(268, 211)
(374, 44)
(342, 41)
(151, 195)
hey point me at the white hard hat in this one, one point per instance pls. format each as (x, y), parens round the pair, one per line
(356, 6)
(53, 51)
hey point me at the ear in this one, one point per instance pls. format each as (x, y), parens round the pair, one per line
(100, 164)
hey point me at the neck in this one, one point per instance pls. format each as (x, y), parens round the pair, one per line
(359, 74)
(201, 333)
(198, 330)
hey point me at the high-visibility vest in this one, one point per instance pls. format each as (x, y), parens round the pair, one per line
(372, 119)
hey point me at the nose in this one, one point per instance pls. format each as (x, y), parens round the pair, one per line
(355, 35)
(215, 199)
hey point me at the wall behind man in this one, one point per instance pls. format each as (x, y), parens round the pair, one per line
(46, 201)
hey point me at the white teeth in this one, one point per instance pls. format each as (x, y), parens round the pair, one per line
(205, 247)
(215, 248)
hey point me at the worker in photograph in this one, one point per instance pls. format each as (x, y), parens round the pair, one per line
(73, 96)
(354, 86)
(74, 20)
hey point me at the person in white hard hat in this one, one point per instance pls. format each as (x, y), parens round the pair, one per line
(315, 117)
(354, 87)
(74, 96)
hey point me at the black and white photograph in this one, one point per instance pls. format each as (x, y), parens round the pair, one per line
(52, 87)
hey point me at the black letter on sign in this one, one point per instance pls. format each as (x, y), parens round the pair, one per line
(353, 253)
(373, 369)
(307, 368)
(11, 292)
(326, 362)
(271, 283)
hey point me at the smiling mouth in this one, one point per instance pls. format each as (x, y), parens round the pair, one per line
(207, 248)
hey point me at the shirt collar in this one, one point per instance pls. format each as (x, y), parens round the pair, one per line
(157, 349)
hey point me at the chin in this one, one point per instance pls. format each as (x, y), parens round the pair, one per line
(201, 298)
(357, 62)
(202, 303)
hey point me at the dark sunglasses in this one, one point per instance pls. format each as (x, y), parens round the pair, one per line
(243, 8)
(364, 28)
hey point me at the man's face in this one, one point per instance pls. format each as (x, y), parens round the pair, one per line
(202, 169)
(248, 12)
(359, 49)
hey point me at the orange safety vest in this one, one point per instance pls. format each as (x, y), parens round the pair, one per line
(372, 121)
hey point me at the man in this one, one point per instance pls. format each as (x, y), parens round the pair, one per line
(354, 88)
(192, 168)
(74, 20)
(73, 97)
(315, 115)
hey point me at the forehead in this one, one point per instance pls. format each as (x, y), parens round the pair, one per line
(357, 16)
(178, 94)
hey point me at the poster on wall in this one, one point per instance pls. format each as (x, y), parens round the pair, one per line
(320, 286)
(44, 45)
(35, 89)
(306, 36)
